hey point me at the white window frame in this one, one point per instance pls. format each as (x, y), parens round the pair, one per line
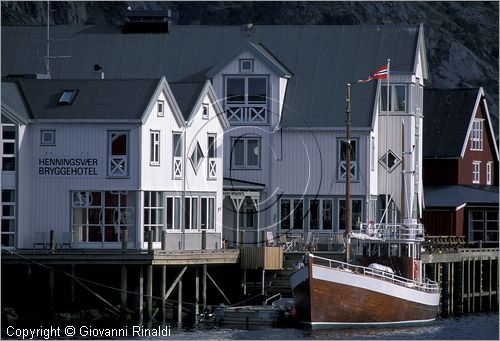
(245, 153)
(159, 224)
(476, 172)
(392, 87)
(117, 161)
(128, 209)
(47, 142)
(489, 168)
(5, 141)
(11, 218)
(212, 159)
(476, 135)
(246, 111)
(205, 111)
(155, 148)
(246, 70)
(177, 163)
(321, 214)
(160, 108)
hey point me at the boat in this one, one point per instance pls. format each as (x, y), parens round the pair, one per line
(329, 292)
(379, 283)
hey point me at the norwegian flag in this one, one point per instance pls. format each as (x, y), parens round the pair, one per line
(379, 74)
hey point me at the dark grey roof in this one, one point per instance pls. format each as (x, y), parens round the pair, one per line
(234, 184)
(108, 99)
(186, 95)
(457, 195)
(13, 101)
(322, 58)
(447, 114)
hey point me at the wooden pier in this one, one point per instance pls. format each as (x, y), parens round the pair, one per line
(161, 285)
(468, 279)
(147, 279)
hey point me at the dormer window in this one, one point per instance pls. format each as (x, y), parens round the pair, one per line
(246, 99)
(67, 97)
(204, 113)
(246, 65)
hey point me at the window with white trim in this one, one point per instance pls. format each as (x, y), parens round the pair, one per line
(320, 214)
(476, 172)
(356, 212)
(8, 139)
(118, 153)
(212, 156)
(476, 135)
(154, 213)
(489, 170)
(47, 137)
(343, 148)
(160, 108)
(246, 65)
(398, 94)
(155, 147)
(246, 99)
(198, 213)
(291, 218)
(177, 145)
(205, 112)
(100, 216)
(8, 217)
(245, 153)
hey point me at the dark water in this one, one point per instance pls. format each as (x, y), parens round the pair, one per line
(482, 326)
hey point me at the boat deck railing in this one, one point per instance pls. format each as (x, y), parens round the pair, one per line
(411, 232)
(427, 286)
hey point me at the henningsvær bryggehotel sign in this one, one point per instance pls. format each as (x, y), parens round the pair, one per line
(66, 166)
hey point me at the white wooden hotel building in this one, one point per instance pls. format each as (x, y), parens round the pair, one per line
(275, 100)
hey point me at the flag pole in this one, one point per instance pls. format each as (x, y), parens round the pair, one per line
(387, 149)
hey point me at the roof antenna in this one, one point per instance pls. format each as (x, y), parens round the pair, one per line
(47, 57)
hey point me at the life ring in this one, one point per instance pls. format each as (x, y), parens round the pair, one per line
(415, 269)
(371, 228)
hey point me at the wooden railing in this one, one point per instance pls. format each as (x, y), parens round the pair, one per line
(247, 114)
(428, 285)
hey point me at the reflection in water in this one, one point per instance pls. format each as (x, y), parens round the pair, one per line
(468, 327)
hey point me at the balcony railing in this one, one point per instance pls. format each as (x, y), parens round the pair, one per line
(247, 113)
(212, 168)
(118, 165)
(177, 167)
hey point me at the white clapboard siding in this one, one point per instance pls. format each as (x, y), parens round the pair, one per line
(49, 197)
(310, 161)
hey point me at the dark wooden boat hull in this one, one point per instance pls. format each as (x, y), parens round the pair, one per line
(326, 296)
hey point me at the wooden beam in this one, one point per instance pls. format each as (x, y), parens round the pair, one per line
(197, 295)
(123, 290)
(204, 288)
(149, 293)
(113, 308)
(179, 303)
(177, 279)
(217, 287)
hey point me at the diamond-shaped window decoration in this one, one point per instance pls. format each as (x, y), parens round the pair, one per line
(390, 160)
(196, 157)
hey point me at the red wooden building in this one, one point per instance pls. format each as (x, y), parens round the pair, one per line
(460, 166)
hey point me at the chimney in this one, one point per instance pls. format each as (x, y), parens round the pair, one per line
(147, 21)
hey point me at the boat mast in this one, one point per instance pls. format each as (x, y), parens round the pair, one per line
(348, 176)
